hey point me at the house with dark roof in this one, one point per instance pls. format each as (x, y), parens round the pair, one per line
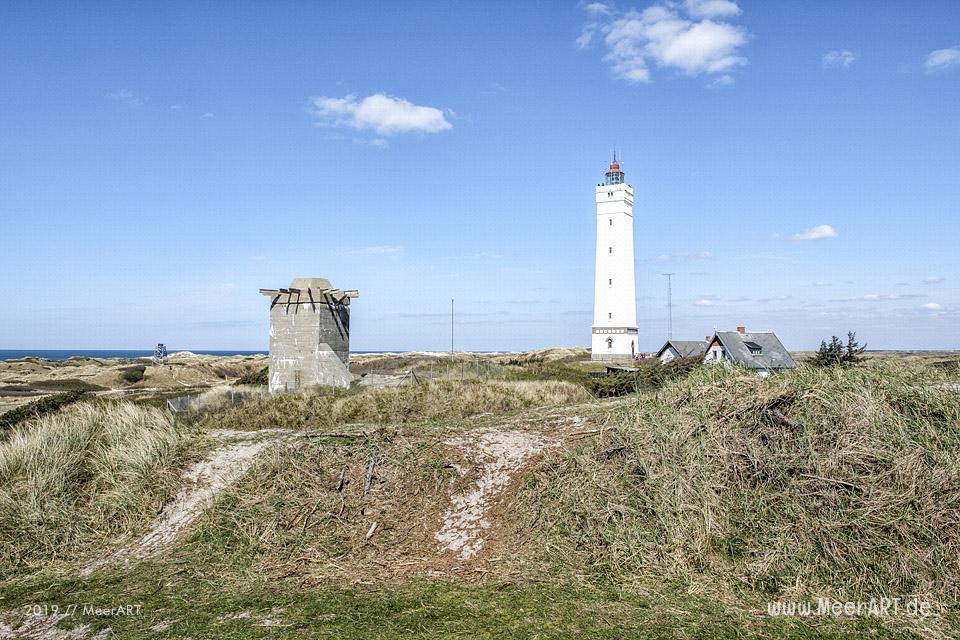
(673, 349)
(758, 350)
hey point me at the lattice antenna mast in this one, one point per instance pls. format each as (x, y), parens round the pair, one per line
(669, 304)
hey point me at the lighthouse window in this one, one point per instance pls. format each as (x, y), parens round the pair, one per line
(611, 250)
(611, 222)
(609, 343)
(610, 281)
(610, 316)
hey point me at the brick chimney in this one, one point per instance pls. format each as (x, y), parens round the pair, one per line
(741, 330)
(708, 339)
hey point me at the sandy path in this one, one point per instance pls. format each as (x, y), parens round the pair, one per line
(204, 481)
(501, 454)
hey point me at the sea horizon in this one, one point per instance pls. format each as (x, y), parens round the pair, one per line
(66, 354)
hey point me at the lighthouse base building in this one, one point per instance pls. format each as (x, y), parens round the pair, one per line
(615, 295)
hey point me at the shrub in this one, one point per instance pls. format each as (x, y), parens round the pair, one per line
(258, 377)
(132, 374)
(835, 353)
(66, 384)
(38, 408)
(650, 376)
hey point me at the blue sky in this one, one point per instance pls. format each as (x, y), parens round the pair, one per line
(160, 162)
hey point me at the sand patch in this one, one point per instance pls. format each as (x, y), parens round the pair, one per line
(500, 454)
(205, 480)
(41, 626)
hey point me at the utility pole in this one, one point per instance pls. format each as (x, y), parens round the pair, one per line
(451, 326)
(669, 304)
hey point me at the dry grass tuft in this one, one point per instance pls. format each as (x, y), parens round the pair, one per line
(306, 510)
(842, 481)
(436, 400)
(72, 480)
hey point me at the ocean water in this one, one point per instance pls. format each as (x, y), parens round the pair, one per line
(63, 354)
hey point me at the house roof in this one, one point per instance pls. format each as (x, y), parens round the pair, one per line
(774, 355)
(686, 348)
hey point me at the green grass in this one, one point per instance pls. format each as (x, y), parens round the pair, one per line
(202, 605)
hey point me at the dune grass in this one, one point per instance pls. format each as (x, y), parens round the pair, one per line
(73, 480)
(836, 482)
(435, 400)
(729, 489)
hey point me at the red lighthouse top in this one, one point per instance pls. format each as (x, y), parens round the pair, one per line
(614, 174)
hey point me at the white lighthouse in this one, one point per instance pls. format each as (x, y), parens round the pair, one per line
(615, 294)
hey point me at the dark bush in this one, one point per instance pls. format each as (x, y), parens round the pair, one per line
(650, 376)
(38, 408)
(133, 374)
(835, 353)
(259, 377)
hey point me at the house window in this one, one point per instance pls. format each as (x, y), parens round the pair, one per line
(754, 348)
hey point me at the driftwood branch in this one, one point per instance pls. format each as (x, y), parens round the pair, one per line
(372, 530)
(833, 480)
(784, 420)
(366, 485)
(584, 434)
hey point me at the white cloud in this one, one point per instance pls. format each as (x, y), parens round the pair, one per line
(586, 36)
(688, 38)
(816, 233)
(374, 250)
(942, 59)
(598, 8)
(386, 115)
(208, 114)
(933, 280)
(703, 302)
(176, 107)
(126, 97)
(712, 8)
(839, 59)
(722, 81)
(931, 306)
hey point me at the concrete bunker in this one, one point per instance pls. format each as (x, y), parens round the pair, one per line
(309, 335)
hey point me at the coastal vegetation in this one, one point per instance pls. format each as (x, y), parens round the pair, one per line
(703, 490)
